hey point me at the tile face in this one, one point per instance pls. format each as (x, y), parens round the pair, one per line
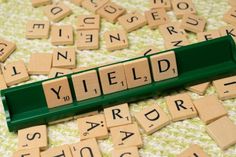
(62, 35)
(165, 4)
(15, 72)
(112, 78)
(228, 30)
(37, 29)
(55, 72)
(206, 105)
(137, 72)
(34, 152)
(93, 6)
(86, 85)
(152, 119)
(149, 50)
(57, 92)
(230, 17)
(111, 11)
(88, 39)
(116, 40)
(232, 3)
(93, 127)
(199, 88)
(226, 87)
(193, 23)
(223, 132)
(204, 36)
(164, 66)
(88, 22)
(59, 151)
(193, 151)
(181, 107)
(57, 11)
(156, 17)
(38, 3)
(6, 49)
(171, 30)
(33, 137)
(64, 57)
(129, 151)
(132, 21)
(85, 148)
(176, 41)
(2, 82)
(126, 136)
(117, 115)
(40, 63)
(182, 7)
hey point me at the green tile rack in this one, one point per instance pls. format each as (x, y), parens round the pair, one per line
(26, 105)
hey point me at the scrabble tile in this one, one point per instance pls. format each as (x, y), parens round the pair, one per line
(6, 49)
(122, 152)
(228, 30)
(176, 41)
(57, 92)
(36, 29)
(64, 57)
(34, 152)
(223, 132)
(117, 115)
(156, 17)
(132, 21)
(230, 16)
(225, 87)
(77, 2)
(93, 6)
(88, 22)
(112, 78)
(86, 147)
(116, 40)
(148, 50)
(2, 82)
(161, 4)
(126, 136)
(137, 72)
(181, 107)
(199, 88)
(57, 11)
(33, 137)
(232, 3)
(88, 40)
(55, 72)
(111, 12)
(59, 151)
(62, 35)
(164, 66)
(204, 36)
(15, 72)
(171, 30)
(206, 105)
(93, 127)
(193, 151)
(182, 7)
(193, 23)
(38, 3)
(86, 85)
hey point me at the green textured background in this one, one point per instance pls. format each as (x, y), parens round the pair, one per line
(172, 139)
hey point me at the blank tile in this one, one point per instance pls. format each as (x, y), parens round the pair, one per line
(56, 72)
(36, 29)
(88, 39)
(59, 151)
(149, 50)
(116, 40)
(93, 6)
(199, 88)
(171, 30)
(88, 22)
(6, 49)
(57, 92)
(62, 35)
(38, 3)
(230, 16)
(182, 7)
(193, 23)
(129, 151)
(228, 30)
(156, 17)
(161, 4)
(193, 151)
(176, 42)
(204, 36)
(34, 152)
(2, 82)
(222, 132)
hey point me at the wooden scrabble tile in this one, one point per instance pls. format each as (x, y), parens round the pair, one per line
(230, 16)
(2, 82)
(223, 132)
(164, 66)
(40, 63)
(181, 107)
(117, 115)
(88, 39)
(116, 40)
(122, 152)
(152, 119)
(171, 30)
(126, 136)
(15, 72)
(34, 152)
(33, 137)
(55, 72)
(176, 41)
(64, 57)
(86, 147)
(193, 23)
(149, 50)
(204, 36)
(206, 105)
(62, 35)
(88, 22)
(57, 11)
(93, 6)
(228, 30)
(36, 29)
(182, 7)
(6, 49)
(156, 17)
(77, 2)
(59, 151)
(137, 72)
(57, 92)
(193, 151)
(160, 4)
(38, 3)
(111, 11)
(225, 87)
(132, 21)
(93, 127)
(232, 3)
(86, 85)
(112, 78)
(199, 88)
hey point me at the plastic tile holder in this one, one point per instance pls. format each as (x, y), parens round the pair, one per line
(26, 105)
